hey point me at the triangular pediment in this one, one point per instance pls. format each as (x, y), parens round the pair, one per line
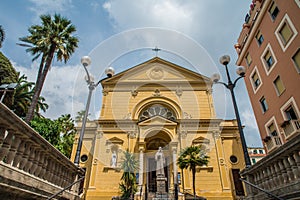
(157, 121)
(201, 140)
(157, 71)
(114, 140)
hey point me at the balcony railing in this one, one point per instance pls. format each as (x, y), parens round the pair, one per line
(291, 127)
(278, 173)
(272, 143)
(29, 165)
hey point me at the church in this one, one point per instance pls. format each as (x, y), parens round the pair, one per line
(160, 105)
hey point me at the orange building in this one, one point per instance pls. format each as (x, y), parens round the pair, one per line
(269, 47)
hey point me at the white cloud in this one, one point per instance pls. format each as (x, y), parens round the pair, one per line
(49, 6)
(65, 90)
(133, 14)
(248, 118)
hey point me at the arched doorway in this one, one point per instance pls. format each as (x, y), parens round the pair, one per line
(153, 142)
(157, 128)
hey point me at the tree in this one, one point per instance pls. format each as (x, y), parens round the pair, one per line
(22, 97)
(2, 35)
(191, 157)
(80, 115)
(52, 38)
(129, 165)
(8, 74)
(59, 132)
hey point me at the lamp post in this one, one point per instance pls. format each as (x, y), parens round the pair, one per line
(86, 61)
(224, 60)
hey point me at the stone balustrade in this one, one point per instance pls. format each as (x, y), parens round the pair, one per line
(278, 173)
(29, 165)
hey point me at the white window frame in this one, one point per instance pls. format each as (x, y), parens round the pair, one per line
(273, 120)
(294, 30)
(290, 102)
(276, 88)
(255, 70)
(295, 65)
(268, 48)
(261, 105)
(298, 3)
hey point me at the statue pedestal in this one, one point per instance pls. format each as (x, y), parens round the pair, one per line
(161, 186)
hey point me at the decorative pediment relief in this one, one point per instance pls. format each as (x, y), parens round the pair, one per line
(114, 140)
(157, 121)
(156, 70)
(201, 140)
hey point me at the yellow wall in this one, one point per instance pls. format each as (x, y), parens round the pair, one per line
(188, 95)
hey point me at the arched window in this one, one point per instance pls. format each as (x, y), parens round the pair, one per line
(157, 110)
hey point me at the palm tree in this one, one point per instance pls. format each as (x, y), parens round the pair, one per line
(191, 157)
(52, 38)
(129, 165)
(23, 97)
(2, 35)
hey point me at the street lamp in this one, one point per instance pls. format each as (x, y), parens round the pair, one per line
(86, 61)
(224, 60)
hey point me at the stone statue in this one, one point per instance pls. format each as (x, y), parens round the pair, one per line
(113, 162)
(160, 161)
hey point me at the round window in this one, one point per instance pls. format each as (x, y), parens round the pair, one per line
(233, 159)
(83, 158)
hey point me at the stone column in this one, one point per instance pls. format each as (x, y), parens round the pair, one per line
(141, 168)
(174, 149)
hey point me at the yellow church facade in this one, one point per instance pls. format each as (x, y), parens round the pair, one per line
(160, 104)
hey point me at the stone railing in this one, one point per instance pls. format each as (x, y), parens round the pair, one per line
(29, 165)
(277, 173)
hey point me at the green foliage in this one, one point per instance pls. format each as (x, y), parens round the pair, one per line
(23, 96)
(59, 132)
(190, 158)
(8, 74)
(80, 116)
(129, 165)
(54, 37)
(2, 35)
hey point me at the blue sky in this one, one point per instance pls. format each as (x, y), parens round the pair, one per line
(211, 26)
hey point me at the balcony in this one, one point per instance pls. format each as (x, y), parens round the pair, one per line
(290, 128)
(277, 173)
(272, 142)
(30, 167)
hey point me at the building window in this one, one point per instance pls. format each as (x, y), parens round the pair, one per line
(268, 59)
(157, 110)
(259, 37)
(263, 104)
(296, 60)
(254, 151)
(261, 151)
(272, 130)
(273, 11)
(248, 59)
(253, 160)
(279, 85)
(255, 80)
(272, 139)
(273, 133)
(285, 32)
(290, 113)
